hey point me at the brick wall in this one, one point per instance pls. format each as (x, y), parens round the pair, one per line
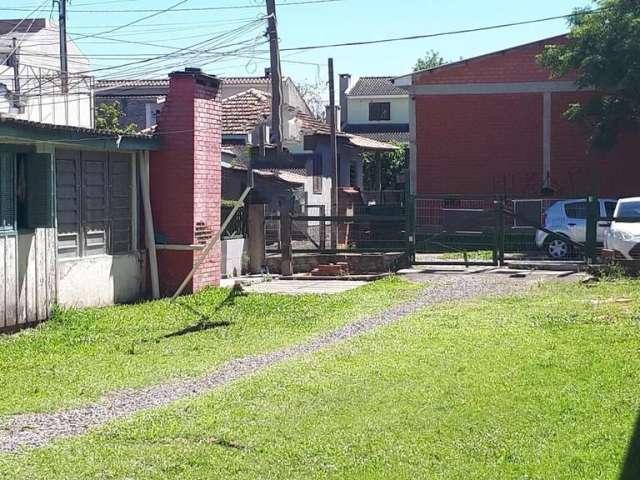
(186, 177)
(493, 143)
(479, 143)
(513, 65)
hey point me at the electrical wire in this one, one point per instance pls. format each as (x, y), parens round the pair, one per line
(442, 34)
(192, 9)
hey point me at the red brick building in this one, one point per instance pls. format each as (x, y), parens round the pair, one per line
(494, 124)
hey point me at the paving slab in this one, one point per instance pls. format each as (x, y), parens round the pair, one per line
(304, 287)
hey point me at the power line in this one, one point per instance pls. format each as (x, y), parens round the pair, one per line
(442, 34)
(191, 9)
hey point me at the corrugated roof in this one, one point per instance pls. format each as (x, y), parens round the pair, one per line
(367, 86)
(69, 128)
(243, 112)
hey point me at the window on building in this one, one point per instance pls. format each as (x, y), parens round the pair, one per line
(94, 203)
(317, 174)
(7, 192)
(576, 210)
(379, 111)
(26, 191)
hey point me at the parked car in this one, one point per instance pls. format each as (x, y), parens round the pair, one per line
(624, 235)
(568, 219)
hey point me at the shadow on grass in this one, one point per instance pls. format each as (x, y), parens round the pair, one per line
(204, 321)
(631, 467)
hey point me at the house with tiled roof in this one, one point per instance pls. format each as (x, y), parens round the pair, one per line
(244, 116)
(374, 107)
(142, 99)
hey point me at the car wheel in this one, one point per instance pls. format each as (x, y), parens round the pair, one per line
(558, 248)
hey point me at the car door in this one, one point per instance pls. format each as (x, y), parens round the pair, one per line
(576, 213)
(607, 209)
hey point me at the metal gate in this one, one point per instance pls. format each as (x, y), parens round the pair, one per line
(492, 230)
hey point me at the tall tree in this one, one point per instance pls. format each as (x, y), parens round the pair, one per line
(431, 59)
(108, 117)
(604, 49)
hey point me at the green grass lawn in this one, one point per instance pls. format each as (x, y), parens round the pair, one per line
(81, 354)
(544, 386)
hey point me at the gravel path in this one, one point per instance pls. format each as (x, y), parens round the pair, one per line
(36, 430)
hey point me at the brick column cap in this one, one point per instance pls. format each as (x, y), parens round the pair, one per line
(198, 76)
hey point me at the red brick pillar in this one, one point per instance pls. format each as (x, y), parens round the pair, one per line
(186, 179)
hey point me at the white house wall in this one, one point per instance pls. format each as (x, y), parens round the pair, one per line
(358, 108)
(102, 280)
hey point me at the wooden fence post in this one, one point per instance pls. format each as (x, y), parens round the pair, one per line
(256, 240)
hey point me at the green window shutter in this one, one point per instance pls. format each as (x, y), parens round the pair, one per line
(68, 203)
(120, 173)
(95, 207)
(7, 192)
(39, 202)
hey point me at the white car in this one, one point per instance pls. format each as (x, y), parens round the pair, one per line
(568, 218)
(624, 235)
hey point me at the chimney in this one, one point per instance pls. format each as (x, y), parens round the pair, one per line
(338, 119)
(186, 178)
(345, 84)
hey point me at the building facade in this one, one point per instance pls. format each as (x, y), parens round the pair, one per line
(495, 124)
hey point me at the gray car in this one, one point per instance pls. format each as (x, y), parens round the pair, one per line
(568, 218)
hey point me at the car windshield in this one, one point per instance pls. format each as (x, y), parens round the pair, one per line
(628, 212)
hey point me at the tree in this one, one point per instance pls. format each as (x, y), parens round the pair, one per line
(314, 94)
(432, 59)
(393, 163)
(108, 117)
(604, 49)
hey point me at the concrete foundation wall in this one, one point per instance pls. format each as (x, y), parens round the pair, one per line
(234, 257)
(359, 264)
(101, 280)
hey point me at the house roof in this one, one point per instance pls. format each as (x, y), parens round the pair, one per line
(25, 25)
(466, 61)
(26, 130)
(243, 112)
(370, 86)
(388, 137)
(164, 82)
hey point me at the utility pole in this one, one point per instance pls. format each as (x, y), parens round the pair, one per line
(15, 63)
(62, 27)
(334, 157)
(276, 77)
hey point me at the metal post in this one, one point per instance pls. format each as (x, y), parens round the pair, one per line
(593, 216)
(286, 267)
(334, 158)
(498, 246)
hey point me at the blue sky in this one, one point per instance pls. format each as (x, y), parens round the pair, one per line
(347, 20)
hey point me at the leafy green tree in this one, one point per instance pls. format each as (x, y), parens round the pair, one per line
(108, 117)
(431, 59)
(604, 50)
(393, 163)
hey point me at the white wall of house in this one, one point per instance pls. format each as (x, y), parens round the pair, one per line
(101, 280)
(358, 109)
(41, 97)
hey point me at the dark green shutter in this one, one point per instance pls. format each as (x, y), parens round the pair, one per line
(68, 203)
(39, 202)
(95, 208)
(120, 173)
(7, 192)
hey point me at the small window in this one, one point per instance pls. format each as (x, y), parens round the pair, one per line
(576, 210)
(610, 209)
(7, 192)
(317, 174)
(379, 111)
